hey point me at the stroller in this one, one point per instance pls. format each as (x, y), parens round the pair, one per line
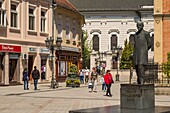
(90, 86)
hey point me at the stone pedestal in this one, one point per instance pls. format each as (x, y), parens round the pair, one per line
(136, 96)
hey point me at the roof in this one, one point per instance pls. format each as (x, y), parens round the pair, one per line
(66, 4)
(102, 5)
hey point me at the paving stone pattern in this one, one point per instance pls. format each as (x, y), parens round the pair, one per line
(13, 99)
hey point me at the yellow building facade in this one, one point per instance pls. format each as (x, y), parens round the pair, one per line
(161, 30)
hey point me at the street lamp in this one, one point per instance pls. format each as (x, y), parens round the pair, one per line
(99, 62)
(117, 51)
(50, 45)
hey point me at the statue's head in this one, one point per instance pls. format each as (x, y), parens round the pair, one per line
(140, 25)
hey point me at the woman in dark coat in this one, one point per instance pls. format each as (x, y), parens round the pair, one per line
(25, 79)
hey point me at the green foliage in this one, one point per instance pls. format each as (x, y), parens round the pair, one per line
(73, 69)
(126, 62)
(166, 67)
(86, 50)
(72, 80)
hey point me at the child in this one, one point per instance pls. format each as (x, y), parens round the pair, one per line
(103, 84)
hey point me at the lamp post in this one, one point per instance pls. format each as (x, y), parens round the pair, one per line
(50, 45)
(117, 51)
(99, 61)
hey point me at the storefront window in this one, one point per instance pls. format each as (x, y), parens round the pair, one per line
(62, 67)
(43, 67)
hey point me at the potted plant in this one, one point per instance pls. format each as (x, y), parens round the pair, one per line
(72, 79)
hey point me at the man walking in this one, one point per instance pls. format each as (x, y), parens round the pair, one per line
(35, 76)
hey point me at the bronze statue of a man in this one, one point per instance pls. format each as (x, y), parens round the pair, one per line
(142, 43)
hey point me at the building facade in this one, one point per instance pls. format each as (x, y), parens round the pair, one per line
(109, 24)
(24, 26)
(68, 25)
(162, 30)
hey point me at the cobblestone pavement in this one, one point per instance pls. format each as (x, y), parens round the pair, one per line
(13, 99)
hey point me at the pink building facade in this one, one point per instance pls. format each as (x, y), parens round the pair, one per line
(24, 26)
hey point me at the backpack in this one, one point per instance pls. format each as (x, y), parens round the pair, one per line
(25, 76)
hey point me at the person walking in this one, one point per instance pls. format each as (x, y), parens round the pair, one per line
(94, 77)
(103, 84)
(25, 79)
(108, 80)
(81, 76)
(87, 71)
(35, 76)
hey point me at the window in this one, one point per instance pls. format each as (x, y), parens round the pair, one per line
(31, 19)
(43, 21)
(96, 42)
(2, 15)
(59, 26)
(62, 68)
(132, 39)
(74, 29)
(74, 33)
(113, 41)
(14, 15)
(67, 28)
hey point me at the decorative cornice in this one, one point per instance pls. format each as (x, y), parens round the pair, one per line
(113, 30)
(131, 30)
(95, 30)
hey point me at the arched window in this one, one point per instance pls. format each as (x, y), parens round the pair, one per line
(113, 41)
(131, 39)
(96, 42)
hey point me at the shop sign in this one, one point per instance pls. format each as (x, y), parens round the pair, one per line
(70, 49)
(32, 49)
(10, 48)
(44, 50)
(13, 56)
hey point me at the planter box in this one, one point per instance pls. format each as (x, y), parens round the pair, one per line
(72, 80)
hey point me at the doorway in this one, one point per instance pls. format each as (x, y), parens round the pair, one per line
(30, 66)
(1, 66)
(12, 69)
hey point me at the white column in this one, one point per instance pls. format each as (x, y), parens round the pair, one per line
(48, 70)
(6, 78)
(108, 60)
(38, 60)
(93, 55)
(21, 67)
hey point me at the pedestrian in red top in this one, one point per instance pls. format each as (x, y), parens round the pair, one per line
(108, 80)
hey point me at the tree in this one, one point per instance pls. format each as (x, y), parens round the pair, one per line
(126, 61)
(86, 50)
(166, 68)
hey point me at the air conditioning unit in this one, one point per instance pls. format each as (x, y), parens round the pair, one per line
(24, 56)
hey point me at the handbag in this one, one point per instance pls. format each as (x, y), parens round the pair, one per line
(112, 81)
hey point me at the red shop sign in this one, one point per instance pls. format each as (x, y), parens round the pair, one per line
(10, 48)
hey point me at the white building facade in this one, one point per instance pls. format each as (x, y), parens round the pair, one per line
(109, 24)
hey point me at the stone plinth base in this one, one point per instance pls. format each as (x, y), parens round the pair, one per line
(136, 96)
(117, 109)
